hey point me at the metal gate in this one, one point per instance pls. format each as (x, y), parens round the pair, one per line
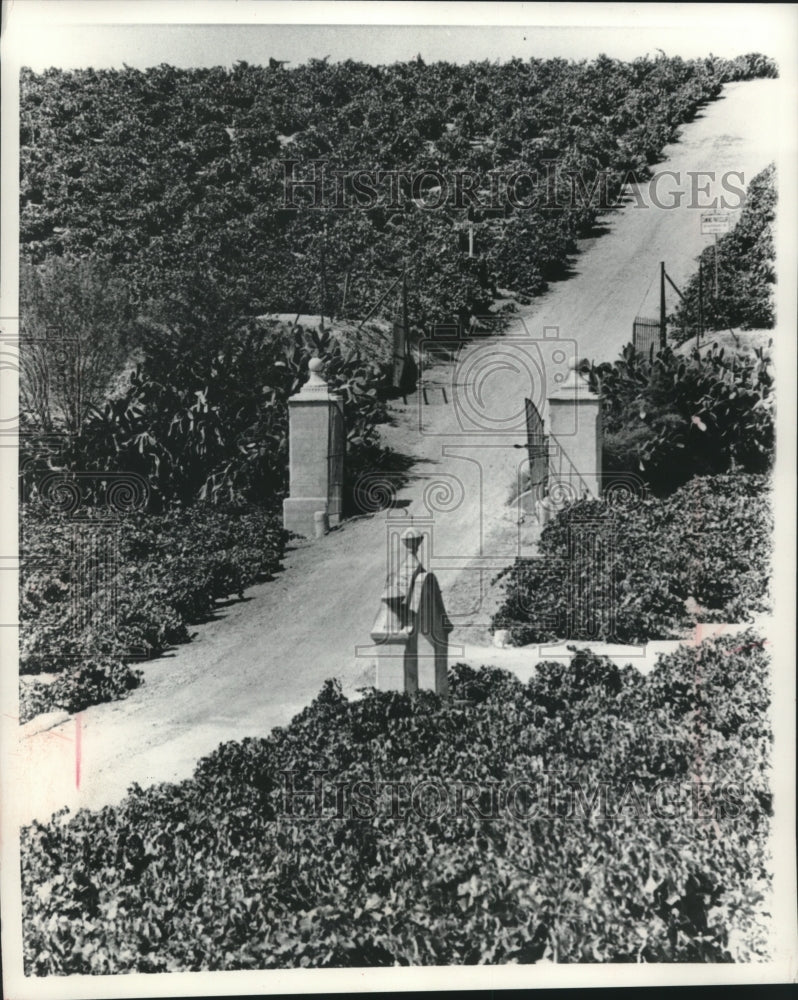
(537, 450)
(646, 333)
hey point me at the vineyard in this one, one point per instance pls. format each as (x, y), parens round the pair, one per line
(225, 871)
(746, 268)
(171, 174)
(173, 224)
(157, 234)
(701, 555)
(168, 573)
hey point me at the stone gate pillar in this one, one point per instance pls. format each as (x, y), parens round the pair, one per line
(575, 421)
(316, 445)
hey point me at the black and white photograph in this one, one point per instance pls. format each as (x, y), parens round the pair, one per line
(397, 428)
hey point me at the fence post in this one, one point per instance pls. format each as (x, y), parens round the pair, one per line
(316, 444)
(400, 331)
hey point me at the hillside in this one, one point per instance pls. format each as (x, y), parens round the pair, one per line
(169, 173)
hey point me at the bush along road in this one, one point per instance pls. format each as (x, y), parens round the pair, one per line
(590, 815)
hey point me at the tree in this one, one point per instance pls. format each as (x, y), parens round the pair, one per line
(77, 334)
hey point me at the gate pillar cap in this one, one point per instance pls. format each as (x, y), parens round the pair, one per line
(316, 387)
(575, 384)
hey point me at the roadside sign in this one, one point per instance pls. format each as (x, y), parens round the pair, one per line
(713, 223)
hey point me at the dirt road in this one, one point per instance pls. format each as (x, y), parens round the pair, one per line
(266, 657)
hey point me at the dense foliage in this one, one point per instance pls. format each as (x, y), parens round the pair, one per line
(168, 172)
(204, 413)
(602, 816)
(98, 592)
(628, 569)
(746, 270)
(668, 417)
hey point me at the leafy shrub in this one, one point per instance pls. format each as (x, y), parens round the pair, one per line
(751, 66)
(700, 555)
(672, 418)
(225, 871)
(83, 615)
(95, 678)
(746, 270)
(205, 413)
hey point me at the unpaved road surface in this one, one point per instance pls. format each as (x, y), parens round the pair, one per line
(265, 658)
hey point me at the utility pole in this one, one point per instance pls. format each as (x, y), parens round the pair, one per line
(322, 274)
(716, 266)
(700, 302)
(663, 337)
(404, 304)
(400, 337)
(346, 292)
